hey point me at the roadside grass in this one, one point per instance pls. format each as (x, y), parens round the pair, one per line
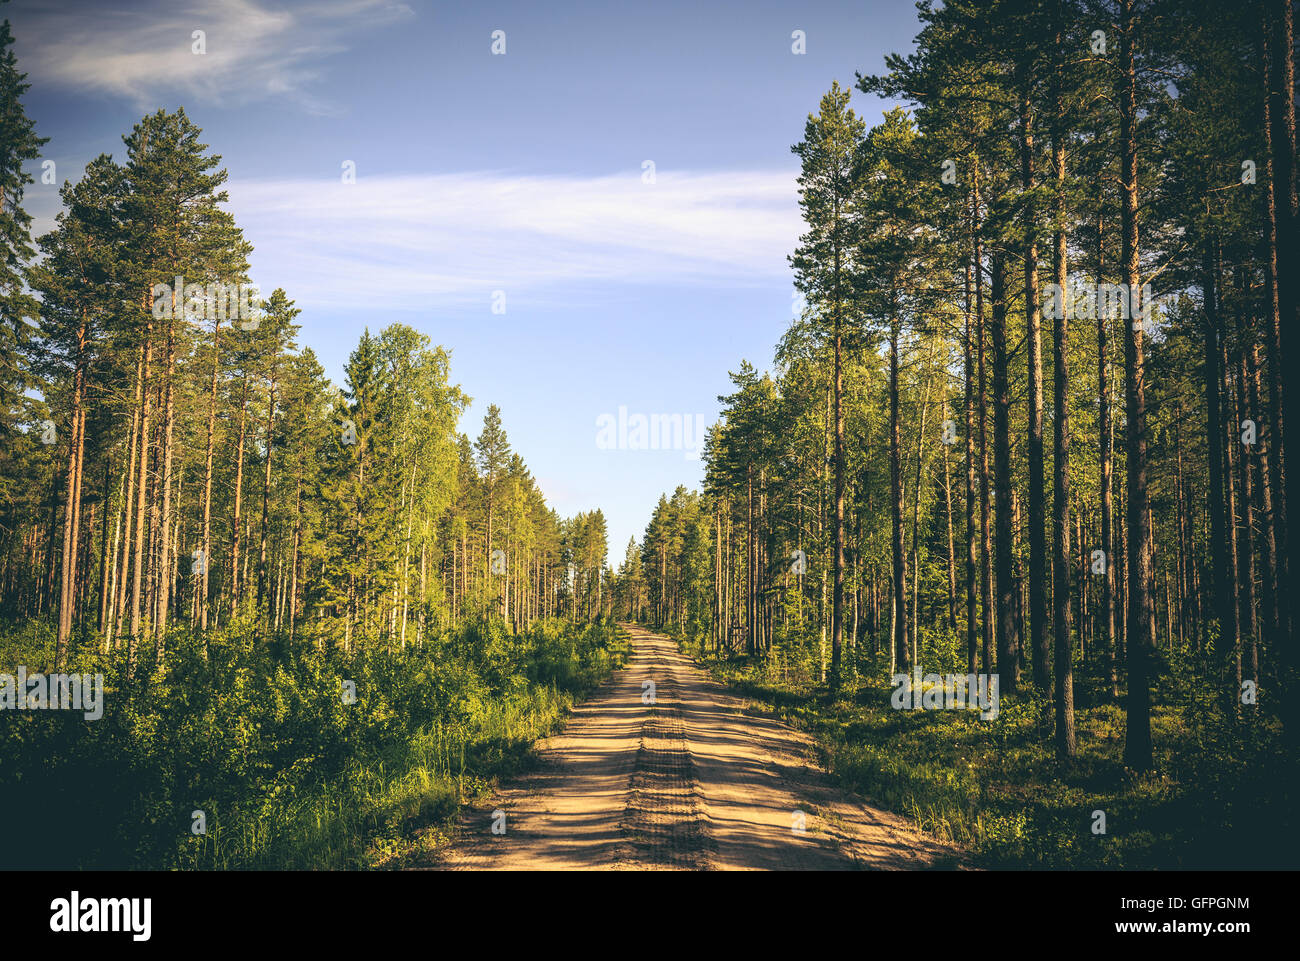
(1213, 799)
(287, 776)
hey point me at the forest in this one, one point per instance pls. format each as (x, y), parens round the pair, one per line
(189, 507)
(1025, 431)
(1029, 420)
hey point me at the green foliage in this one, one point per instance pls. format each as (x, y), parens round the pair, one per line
(287, 774)
(996, 787)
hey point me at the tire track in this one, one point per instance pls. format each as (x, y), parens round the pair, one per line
(664, 823)
(691, 779)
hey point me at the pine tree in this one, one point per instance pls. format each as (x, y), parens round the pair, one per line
(18, 144)
(824, 271)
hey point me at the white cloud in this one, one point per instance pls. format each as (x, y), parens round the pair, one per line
(145, 54)
(415, 241)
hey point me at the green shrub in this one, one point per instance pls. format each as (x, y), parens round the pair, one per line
(257, 736)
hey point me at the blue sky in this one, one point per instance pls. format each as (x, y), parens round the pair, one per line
(476, 173)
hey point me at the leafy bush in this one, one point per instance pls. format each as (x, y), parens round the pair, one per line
(1214, 800)
(259, 738)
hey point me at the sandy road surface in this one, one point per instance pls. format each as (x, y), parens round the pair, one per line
(688, 782)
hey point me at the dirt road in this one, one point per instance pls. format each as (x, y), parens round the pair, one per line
(679, 776)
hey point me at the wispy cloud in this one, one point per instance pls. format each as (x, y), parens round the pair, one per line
(145, 53)
(413, 241)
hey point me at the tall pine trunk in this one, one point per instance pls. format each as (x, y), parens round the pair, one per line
(1008, 641)
(901, 653)
(1038, 563)
(1137, 745)
(1061, 586)
(972, 530)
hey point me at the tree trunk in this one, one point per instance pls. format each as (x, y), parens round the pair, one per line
(72, 504)
(968, 440)
(901, 653)
(1038, 563)
(1008, 641)
(1137, 746)
(986, 516)
(1061, 587)
(207, 477)
(137, 575)
(237, 522)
